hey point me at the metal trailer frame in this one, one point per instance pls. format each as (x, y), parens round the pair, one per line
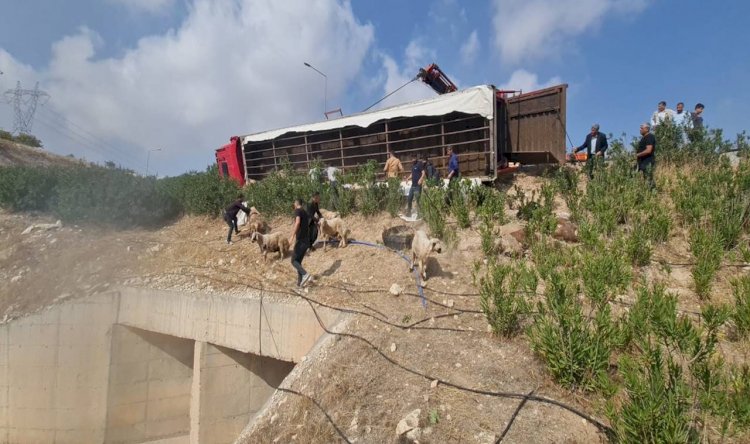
(473, 136)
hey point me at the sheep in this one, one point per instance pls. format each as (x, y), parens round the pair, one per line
(271, 242)
(333, 228)
(256, 223)
(329, 214)
(421, 247)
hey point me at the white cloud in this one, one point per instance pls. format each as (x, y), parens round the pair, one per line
(530, 29)
(527, 81)
(233, 67)
(470, 49)
(148, 6)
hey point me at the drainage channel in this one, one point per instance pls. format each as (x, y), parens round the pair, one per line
(142, 365)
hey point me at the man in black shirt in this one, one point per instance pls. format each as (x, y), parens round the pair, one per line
(418, 176)
(300, 238)
(313, 211)
(230, 216)
(645, 154)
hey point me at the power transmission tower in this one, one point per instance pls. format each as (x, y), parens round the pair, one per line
(24, 103)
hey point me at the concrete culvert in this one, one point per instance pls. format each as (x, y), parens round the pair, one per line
(398, 237)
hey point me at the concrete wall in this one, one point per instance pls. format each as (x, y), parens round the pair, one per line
(149, 386)
(54, 369)
(57, 385)
(233, 387)
(263, 326)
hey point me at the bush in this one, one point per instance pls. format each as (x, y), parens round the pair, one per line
(25, 188)
(432, 209)
(503, 293)
(706, 246)
(604, 272)
(741, 313)
(658, 404)
(394, 197)
(202, 193)
(29, 140)
(575, 349)
(458, 204)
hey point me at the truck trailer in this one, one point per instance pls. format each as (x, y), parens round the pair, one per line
(487, 127)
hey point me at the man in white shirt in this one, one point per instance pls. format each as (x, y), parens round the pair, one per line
(681, 117)
(661, 114)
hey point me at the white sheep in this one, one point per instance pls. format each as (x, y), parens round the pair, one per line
(328, 214)
(271, 242)
(333, 228)
(421, 247)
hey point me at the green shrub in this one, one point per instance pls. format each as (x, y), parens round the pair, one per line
(433, 210)
(24, 188)
(88, 194)
(638, 248)
(707, 248)
(394, 197)
(741, 313)
(575, 349)
(503, 292)
(658, 402)
(604, 272)
(489, 203)
(487, 236)
(28, 139)
(458, 203)
(202, 193)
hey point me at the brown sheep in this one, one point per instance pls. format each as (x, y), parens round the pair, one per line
(333, 228)
(421, 247)
(271, 242)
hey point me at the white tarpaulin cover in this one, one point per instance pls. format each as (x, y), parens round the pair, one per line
(476, 100)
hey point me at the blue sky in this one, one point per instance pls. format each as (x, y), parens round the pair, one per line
(129, 76)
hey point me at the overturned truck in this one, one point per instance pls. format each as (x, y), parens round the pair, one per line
(486, 127)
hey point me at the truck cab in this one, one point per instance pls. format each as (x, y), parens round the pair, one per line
(229, 160)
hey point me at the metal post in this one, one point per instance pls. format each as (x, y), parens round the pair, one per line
(325, 88)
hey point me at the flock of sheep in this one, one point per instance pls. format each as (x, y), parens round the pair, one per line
(329, 227)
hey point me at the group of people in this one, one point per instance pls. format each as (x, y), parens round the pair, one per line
(304, 230)
(422, 172)
(306, 217)
(596, 144)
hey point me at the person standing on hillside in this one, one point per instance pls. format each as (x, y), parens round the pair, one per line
(681, 117)
(313, 211)
(300, 238)
(230, 216)
(596, 145)
(645, 154)
(393, 166)
(696, 117)
(662, 114)
(453, 174)
(418, 176)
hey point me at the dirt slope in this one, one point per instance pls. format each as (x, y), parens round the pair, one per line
(12, 153)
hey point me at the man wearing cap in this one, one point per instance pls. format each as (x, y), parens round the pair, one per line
(596, 144)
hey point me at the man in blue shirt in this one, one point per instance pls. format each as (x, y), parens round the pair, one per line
(418, 176)
(453, 173)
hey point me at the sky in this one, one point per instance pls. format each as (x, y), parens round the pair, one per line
(169, 81)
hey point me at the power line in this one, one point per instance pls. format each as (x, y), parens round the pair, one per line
(84, 134)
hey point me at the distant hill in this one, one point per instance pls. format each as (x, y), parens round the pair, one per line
(12, 153)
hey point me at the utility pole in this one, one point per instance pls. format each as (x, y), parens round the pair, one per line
(24, 103)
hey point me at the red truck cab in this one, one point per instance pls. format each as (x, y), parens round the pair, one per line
(229, 160)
